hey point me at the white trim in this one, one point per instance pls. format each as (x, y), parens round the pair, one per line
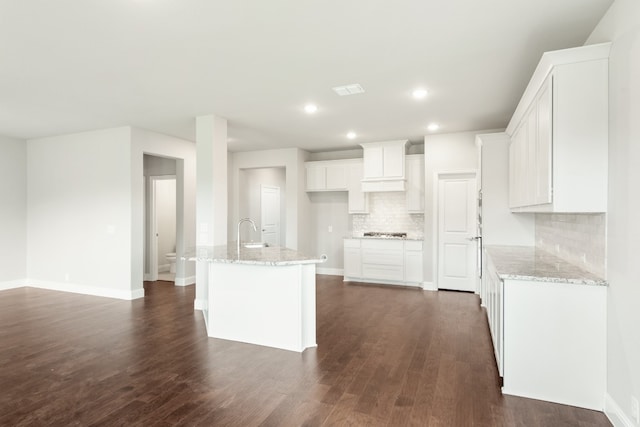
(147, 277)
(199, 304)
(185, 281)
(164, 268)
(429, 286)
(330, 271)
(12, 284)
(434, 222)
(87, 290)
(383, 282)
(615, 414)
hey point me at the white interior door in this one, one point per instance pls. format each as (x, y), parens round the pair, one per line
(456, 232)
(270, 214)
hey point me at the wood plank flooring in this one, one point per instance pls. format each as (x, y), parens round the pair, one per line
(385, 356)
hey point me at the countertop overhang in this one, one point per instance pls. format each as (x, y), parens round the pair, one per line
(271, 255)
(530, 263)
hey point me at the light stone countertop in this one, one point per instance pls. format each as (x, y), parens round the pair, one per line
(274, 255)
(529, 263)
(383, 238)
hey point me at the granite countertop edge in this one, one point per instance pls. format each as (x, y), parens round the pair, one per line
(383, 238)
(528, 263)
(268, 256)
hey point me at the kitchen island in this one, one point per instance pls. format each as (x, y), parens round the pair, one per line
(264, 296)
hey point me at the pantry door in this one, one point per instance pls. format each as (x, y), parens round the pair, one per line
(457, 242)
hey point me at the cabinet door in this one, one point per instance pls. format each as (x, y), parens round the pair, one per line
(413, 266)
(544, 144)
(316, 177)
(393, 161)
(373, 158)
(352, 262)
(518, 165)
(357, 198)
(415, 184)
(336, 177)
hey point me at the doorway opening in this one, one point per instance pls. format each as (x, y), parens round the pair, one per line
(160, 218)
(263, 199)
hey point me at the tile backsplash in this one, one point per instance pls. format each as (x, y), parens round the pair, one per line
(388, 212)
(576, 238)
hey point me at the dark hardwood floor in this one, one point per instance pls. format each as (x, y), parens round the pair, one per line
(385, 356)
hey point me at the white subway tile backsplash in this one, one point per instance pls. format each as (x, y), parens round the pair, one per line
(388, 212)
(576, 238)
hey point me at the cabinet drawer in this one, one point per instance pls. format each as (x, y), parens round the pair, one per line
(351, 243)
(382, 257)
(413, 245)
(392, 245)
(383, 272)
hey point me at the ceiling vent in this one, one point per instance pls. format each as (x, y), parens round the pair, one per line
(352, 89)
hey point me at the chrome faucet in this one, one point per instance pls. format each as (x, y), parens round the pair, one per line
(253, 224)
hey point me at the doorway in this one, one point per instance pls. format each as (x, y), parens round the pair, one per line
(162, 216)
(263, 199)
(456, 247)
(163, 227)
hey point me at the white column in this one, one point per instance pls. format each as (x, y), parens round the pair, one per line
(211, 192)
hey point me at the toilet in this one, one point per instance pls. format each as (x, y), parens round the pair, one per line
(171, 257)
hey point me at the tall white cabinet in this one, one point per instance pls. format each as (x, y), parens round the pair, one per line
(559, 134)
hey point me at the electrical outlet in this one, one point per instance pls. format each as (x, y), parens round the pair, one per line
(66, 277)
(557, 248)
(635, 409)
(331, 229)
(584, 258)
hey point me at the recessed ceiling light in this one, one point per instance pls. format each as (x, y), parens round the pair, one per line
(351, 135)
(352, 89)
(310, 108)
(433, 127)
(419, 93)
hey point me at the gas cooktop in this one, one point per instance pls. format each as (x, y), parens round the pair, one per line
(385, 235)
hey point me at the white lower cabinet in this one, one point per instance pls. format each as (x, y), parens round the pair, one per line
(395, 262)
(352, 258)
(549, 338)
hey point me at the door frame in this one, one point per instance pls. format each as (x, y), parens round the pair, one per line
(152, 243)
(435, 224)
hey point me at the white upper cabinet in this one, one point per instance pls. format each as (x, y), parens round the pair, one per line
(330, 175)
(559, 135)
(414, 169)
(384, 166)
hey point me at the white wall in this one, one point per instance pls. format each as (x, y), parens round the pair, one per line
(79, 213)
(184, 152)
(298, 235)
(621, 25)
(442, 153)
(250, 199)
(13, 213)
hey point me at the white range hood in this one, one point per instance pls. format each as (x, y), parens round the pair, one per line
(384, 166)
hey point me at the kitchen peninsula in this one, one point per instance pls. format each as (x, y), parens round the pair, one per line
(264, 296)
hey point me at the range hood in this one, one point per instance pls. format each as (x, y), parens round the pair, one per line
(384, 166)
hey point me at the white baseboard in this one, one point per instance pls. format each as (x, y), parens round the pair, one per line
(615, 414)
(147, 277)
(199, 304)
(12, 284)
(164, 268)
(87, 290)
(185, 281)
(330, 271)
(429, 286)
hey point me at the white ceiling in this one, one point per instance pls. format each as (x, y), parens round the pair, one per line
(74, 65)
